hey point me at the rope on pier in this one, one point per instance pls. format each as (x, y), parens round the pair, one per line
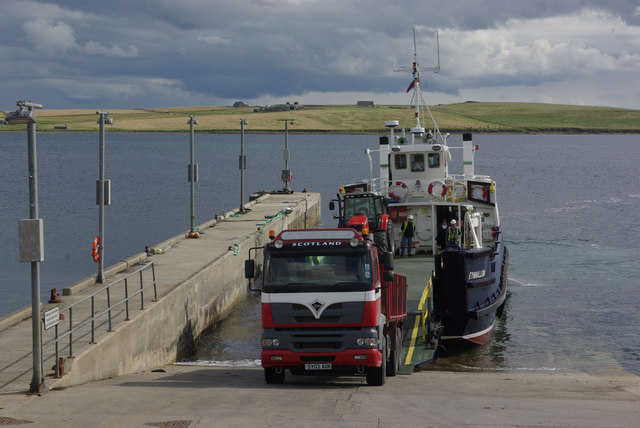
(269, 219)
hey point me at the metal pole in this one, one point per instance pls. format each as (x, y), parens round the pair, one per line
(242, 163)
(37, 381)
(286, 151)
(192, 177)
(286, 173)
(100, 277)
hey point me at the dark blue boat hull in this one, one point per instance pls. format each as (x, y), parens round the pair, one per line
(470, 288)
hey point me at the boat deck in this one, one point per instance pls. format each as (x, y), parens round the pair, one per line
(417, 348)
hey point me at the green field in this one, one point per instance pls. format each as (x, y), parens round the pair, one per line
(454, 118)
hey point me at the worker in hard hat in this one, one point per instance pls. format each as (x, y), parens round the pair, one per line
(408, 231)
(453, 234)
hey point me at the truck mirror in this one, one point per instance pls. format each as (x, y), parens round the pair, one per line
(388, 275)
(332, 206)
(387, 260)
(249, 268)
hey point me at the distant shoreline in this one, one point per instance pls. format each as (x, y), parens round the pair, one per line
(321, 132)
(476, 117)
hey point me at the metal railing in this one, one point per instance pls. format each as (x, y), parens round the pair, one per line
(119, 287)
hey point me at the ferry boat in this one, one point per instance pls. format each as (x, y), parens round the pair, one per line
(468, 275)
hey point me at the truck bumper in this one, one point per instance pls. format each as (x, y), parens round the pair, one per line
(348, 357)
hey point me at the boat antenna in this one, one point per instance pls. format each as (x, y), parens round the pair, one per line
(417, 99)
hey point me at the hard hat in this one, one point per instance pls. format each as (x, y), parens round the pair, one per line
(453, 221)
(411, 217)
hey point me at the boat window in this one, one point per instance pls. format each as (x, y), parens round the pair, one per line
(417, 162)
(434, 160)
(401, 161)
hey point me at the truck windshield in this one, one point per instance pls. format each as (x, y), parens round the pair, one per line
(289, 272)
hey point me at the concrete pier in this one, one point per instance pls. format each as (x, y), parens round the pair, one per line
(197, 282)
(185, 396)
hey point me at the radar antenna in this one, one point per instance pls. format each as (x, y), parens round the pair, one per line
(417, 98)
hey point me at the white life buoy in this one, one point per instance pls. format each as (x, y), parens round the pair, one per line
(438, 189)
(398, 190)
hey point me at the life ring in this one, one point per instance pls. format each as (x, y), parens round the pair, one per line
(401, 194)
(95, 249)
(452, 191)
(443, 190)
(474, 189)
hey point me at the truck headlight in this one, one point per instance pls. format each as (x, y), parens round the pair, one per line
(367, 341)
(270, 342)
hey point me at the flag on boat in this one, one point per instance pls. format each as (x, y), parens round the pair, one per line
(413, 83)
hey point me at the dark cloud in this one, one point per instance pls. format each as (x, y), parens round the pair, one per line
(161, 52)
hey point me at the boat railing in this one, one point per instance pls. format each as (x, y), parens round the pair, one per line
(455, 191)
(102, 309)
(462, 177)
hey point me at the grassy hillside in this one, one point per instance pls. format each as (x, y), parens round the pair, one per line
(455, 118)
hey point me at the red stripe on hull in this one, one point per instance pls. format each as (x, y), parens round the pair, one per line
(480, 340)
(470, 339)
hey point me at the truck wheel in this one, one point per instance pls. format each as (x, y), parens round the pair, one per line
(395, 361)
(391, 364)
(376, 375)
(380, 239)
(391, 242)
(274, 374)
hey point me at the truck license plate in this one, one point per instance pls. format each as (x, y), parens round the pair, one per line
(318, 366)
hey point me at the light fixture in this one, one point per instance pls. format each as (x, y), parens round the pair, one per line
(20, 116)
(23, 115)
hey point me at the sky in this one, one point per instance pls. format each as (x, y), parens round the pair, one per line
(173, 53)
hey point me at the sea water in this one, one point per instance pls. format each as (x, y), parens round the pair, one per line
(568, 204)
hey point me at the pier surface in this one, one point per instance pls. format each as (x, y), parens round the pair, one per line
(191, 396)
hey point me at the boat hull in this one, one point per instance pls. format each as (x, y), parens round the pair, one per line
(470, 289)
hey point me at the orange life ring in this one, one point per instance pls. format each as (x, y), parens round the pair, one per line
(444, 188)
(95, 249)
(403, 192)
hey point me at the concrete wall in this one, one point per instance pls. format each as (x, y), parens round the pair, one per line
(170, 328)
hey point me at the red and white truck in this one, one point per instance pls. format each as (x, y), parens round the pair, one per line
(329, 304)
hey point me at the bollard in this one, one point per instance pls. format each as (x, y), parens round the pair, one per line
(58, 368)
(54, 296)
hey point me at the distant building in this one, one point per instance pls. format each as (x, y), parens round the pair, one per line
(365, 104)
(283, 107)
(240, 104)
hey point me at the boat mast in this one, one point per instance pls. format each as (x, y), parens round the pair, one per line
(415, 85)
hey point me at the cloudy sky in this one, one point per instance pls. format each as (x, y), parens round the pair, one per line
(170, 53)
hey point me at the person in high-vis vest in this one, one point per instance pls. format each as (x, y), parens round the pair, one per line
(408, 231)
(453, 234)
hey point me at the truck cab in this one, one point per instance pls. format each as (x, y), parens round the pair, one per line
(324, 300)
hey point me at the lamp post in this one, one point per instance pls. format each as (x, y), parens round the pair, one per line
(30, 234)
(103, 195)
(286, 173)
(193, 172)
(242, 162)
